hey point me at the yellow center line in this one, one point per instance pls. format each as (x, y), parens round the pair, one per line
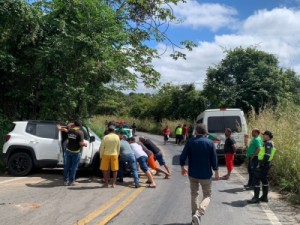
(101, 209)
(121, 206)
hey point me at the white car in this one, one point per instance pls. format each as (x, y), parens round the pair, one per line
(39, 144)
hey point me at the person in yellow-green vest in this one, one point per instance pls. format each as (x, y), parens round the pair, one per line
(265, 157)
(178, 133)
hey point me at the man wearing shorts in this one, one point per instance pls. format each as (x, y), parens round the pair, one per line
(157, 153)
(109, 153)
(229, 150)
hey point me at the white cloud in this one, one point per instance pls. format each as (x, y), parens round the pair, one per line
(212, 16)
(275, 31)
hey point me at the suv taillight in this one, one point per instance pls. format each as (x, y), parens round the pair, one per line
(7, 138)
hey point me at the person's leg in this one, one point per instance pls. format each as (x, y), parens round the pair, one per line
(194, 186)
(256, 182)
(104, 167)
(114, 162)
(132, 164)
(105, 177)
(74, 165)
(265, 182)
(67, 166)
(229, 159)
(143, 164)
(206, 190)
(120, 174)
(152, 165)
(254, 163)
(161, 161)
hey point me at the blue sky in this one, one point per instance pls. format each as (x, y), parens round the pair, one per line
(270, 25)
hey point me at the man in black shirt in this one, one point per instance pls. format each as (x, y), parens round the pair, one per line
(72, 153)
(229, 151)
(157, 153)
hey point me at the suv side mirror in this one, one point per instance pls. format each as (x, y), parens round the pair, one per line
(92, 139)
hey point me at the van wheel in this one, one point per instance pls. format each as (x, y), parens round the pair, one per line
(20, 164)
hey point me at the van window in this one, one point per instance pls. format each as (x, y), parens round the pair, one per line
(218, 124)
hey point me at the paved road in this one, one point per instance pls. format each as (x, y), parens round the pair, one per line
(41, 199)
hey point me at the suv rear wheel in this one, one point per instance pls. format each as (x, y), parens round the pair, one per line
(20, 164)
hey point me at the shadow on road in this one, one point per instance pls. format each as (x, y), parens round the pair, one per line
(238, 204)
(177, 224)
(233, 190)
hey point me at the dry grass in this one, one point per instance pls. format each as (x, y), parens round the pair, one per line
(284, 122)
(145, 125)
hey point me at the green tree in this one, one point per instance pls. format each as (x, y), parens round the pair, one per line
(245, 78)
(58, 56)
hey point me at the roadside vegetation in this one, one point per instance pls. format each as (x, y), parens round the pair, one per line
(143, 125)
(285, 124)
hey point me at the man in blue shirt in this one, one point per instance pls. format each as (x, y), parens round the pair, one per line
(202, 156)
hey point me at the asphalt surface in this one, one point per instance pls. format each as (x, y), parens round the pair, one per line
(42, 199)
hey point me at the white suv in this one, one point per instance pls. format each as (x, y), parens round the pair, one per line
(38, 144)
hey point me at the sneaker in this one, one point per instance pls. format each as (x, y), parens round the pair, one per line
(137, 186)
(72, 183)
(196, 219)
(66, 183)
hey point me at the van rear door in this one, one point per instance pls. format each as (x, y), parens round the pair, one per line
(216, 126)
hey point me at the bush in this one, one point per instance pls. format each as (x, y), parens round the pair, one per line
(5, 127)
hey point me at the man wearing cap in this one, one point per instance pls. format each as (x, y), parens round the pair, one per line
(252, 152)
(265, 157)
(73, 150)
(229, 150)
(109, 153)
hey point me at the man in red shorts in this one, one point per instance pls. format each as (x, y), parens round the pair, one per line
(229, 151)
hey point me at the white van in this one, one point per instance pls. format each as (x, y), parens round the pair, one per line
(217, 120)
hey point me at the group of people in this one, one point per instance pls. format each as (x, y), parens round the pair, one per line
(117, 149)
(202, 157)
(181, 133)
(260, 154)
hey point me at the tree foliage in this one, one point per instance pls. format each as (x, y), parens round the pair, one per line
(58, 56)
(248, 78)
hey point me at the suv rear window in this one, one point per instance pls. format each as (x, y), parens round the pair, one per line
(218, 124)
(44, 130)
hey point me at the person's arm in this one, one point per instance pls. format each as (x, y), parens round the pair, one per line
(60, 128)
(101, 149)
(183, 156)
(233, 146)
(82, 143)
(214, 162)
(118, 147)
(258, 144)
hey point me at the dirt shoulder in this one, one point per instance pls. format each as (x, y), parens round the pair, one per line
(278, 202)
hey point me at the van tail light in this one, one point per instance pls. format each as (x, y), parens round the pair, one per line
(7, 137)
(246, 139)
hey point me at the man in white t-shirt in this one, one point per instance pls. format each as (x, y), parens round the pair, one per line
(142, 158)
